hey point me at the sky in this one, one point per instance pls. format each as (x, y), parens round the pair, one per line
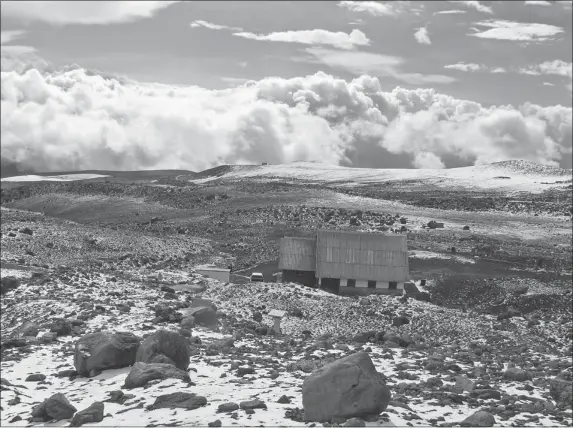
(132, 85)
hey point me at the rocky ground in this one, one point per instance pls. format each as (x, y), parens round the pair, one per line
(442, 366)
(489, 338)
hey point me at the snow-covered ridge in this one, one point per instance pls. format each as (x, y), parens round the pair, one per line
(67, 177)
(509, 175)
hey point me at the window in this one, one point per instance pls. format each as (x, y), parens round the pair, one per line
(351, 283)
(393, 285)
(371, 284)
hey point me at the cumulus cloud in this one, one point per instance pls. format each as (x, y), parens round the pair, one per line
(70, 119)
(466, 67)
(337, 39)
(557, 68)
(516, 31)
(82, 12)
(475, 5)
(422, 36)
(378, 8)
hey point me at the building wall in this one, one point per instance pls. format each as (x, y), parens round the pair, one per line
(356, 291)
(362, 256)
(297, 254)
(221, 275)
(300, 277)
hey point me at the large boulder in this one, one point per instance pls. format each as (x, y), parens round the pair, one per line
(561, 391)
(517, 375)
(346, 388)
(142, 373)
(93, 414)
(205, 316)
(179, 400)
(8, 283)
(56, 407)
(95, 352)
(479, 419)
(27, 329)
(164, 343)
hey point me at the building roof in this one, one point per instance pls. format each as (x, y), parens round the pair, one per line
(276, 313)
(212, 269)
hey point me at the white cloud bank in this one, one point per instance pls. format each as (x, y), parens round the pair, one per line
(474, 5)
(337, 39)
(516, 31)
(82, 12)
(76, 119)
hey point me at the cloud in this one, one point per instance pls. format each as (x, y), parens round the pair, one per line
(359, 63)
(422, 36)
(11, 35)
(467, 67)
(313, 37)
(70, 119)
(450, 12)
(537, 3)
(516, 31)
(557, 68)
(378, 8)
(11, 52)
(82, 12)
(475, 5)
(211, 26)
(428, 160)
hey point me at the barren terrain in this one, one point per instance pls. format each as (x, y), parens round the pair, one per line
(103, 253)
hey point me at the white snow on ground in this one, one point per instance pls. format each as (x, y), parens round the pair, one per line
(68, 177)
(16, 273)
(518, 175)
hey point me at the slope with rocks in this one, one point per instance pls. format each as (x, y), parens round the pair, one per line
(441, 366)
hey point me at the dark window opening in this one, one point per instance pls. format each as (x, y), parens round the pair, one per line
(351, 283)
(393, 285)
(371, 284)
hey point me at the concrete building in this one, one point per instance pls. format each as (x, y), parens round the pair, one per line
(347, 262)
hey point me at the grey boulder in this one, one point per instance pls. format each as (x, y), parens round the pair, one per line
(479, 419)
(56, 407)
(346, 388)
(104, 350)
(92, 414)
(142, 373)
(165, 346)
(179, 400)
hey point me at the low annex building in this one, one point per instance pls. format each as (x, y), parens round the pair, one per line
(347, 262)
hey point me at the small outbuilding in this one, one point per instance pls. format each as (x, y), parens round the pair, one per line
(277, 316)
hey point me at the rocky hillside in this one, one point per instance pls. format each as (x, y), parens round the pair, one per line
(224, 365)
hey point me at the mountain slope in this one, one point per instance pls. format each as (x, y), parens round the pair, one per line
(511, 175)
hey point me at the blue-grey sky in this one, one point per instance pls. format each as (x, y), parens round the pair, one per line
(114, 84)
